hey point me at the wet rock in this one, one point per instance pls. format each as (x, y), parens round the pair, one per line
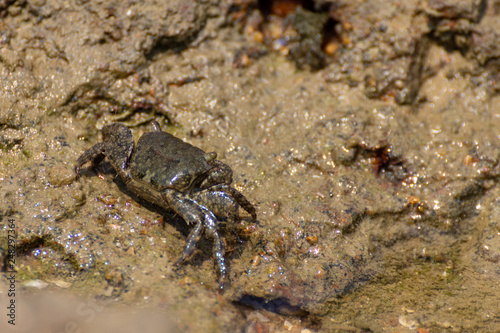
(381, 167)
(307, 51)
(293, 276)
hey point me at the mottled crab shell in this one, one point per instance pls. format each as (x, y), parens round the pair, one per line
(164, 161)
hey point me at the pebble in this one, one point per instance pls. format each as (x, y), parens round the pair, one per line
(60, 176)
(287, 325)
(407, 321)
(39, 284)
(61, 283)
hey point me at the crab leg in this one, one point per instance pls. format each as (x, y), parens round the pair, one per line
(94, 153)
(220, 203)
(117, 146)
(194, 213)
(240, 198)
(218, 249)
(220, 174)
(192, 240)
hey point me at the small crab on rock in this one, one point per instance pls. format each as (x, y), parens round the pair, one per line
(173, 174)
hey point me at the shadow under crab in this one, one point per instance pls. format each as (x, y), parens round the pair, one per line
(173, 174)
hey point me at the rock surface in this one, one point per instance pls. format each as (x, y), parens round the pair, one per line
(375, 173)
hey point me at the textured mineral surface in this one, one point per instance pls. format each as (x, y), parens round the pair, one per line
(366, 133)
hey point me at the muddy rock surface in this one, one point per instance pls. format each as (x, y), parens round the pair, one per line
(368, 142)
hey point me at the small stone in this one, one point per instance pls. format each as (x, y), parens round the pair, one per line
(444, 324)
(312, 240)
(39, 284)
(61, 283)
(407, 321)
(131, 251)
(261, 317)
(60, 176)
(109, 291)
(287, 325)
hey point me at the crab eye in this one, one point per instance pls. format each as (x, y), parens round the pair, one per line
(210, 156)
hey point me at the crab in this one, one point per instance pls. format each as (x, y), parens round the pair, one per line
(175, 175)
